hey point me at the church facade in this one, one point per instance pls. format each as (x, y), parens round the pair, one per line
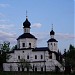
(40, 58)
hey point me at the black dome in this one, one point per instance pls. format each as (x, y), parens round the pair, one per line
(52, 40)
(26, 24)
(52, 32)
(26, 35)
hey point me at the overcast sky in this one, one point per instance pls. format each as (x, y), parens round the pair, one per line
(42, 14)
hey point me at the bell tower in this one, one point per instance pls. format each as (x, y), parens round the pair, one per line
(52, 42)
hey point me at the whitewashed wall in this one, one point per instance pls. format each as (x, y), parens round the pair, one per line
(27, 41)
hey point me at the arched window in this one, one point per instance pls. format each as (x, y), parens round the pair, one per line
(35, 56)
(27, 56)
(35, 68)
(41, 56)
(51, 43)
(50, 55)
(29, 45)
(41, 68)
(18, 57)
(54, 44)
(23, 44)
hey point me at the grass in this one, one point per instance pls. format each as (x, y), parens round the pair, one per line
(33, 73)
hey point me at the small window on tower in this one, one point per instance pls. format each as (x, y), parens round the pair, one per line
(23, 44)
(50, 55)
(35, 56)
(25, 30)
(29, 45)
(51, 43)
(54, 44)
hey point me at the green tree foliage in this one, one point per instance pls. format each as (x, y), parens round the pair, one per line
(3, 54)
(70, 57)
(14, 47)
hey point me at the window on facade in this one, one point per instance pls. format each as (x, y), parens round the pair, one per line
(23, 44)
(25, 30)
(50, 55)
(41, 56)
(27, 56)
(54, 44)
(23, 51)
(51, 43)
(41, 68)
(18, 57)
(27, 69)
(18, 68)
(22, 69)
(29, 45)
(35, 56)
(35, 68)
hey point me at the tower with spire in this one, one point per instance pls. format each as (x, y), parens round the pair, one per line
(52, 42)
(26, 40)
(26, 25)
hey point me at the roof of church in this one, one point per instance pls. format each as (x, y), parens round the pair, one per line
(26, 24)
(37, 49)
(26, 35)
(52, 40)
(41, 49)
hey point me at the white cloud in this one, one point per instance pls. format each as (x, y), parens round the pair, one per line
(37, 25)
(65, 36)
(6, 26)
(5, 36)
(4, 5)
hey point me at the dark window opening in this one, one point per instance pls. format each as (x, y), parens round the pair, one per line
(22, 69)
(41, 68)
(23, 44)
(27, 69)
(51, 43)
(18, 57)
(50, 56)
(29, 45)
(35, 56)
(35, 68)
(41, 56)
(27, 56)
(23, 51)
(18, 68)
(54, 44)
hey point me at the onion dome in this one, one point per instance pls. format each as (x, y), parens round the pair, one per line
(52, 32)
(26, 24)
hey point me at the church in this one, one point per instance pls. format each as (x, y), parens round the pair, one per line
(40, 58)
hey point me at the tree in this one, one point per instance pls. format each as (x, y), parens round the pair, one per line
(3, 54)
(24, 64)
(14, 47)
(69, 57)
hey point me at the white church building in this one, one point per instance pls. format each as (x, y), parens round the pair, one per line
(41, 58)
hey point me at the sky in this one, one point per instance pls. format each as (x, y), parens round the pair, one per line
(41, 14)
